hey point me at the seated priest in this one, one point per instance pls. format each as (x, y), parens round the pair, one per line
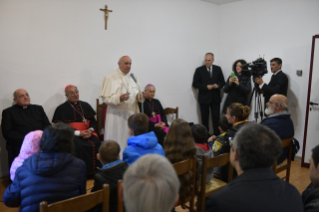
(153, 108)
(20, 119)
(80, 116)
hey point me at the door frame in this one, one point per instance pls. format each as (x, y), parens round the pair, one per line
(304, 164)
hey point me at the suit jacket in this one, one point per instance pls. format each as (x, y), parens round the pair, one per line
(277, 85)
(256, 190)
(202, 78)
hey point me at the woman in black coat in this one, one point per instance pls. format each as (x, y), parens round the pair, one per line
(237, 87)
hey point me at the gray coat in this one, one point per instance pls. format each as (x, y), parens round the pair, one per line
(200, 153)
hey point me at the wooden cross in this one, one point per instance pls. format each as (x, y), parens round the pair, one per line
(106, 11)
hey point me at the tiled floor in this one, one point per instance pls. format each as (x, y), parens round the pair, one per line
(298, 177)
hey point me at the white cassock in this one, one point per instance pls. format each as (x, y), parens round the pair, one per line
(114, 85)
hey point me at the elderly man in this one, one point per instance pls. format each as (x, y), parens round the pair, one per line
(150, 184)
(120, 92)
(254, 150)
(209, 79)
(80, 116)
(279, 120)
(19, 120)
(310, 196)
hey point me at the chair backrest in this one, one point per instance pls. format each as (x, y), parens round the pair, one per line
(285, 143)
(80, 203)
(218, 161)
(182, 168)
(100, 116)
(170, 110)
(120, 203)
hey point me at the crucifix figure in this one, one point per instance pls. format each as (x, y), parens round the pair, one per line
(106, 11)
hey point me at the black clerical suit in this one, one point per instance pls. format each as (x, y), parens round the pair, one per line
(17, 121)
(277, 85)
(209, 98)
(86, 149)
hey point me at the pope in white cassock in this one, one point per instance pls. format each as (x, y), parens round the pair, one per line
(120, 93)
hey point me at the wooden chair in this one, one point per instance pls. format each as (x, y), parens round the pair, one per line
(120, 203)
(286, 165)
(169, 110)
(100, 118)
(80, 203)
(214, 184)
(182, 168)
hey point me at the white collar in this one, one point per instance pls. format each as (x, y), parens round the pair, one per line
(277, 72)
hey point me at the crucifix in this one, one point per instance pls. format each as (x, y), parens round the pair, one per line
(106, 11)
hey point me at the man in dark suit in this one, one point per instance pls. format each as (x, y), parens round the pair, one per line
(20, 119)
(254, 150)
(209, 79)
(278, 83)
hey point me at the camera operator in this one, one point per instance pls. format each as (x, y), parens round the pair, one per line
(278, 83)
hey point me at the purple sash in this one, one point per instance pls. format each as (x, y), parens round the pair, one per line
(157, 119)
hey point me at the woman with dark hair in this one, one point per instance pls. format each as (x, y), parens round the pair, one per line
(238, 87)
(52, 175)
(179, 145)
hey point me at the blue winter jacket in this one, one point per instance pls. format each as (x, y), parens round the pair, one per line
(282, 124)
(141, 145)
(46, 176)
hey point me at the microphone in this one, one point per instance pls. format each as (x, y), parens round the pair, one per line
(133, 77)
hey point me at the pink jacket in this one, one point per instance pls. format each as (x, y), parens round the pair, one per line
(30, 146)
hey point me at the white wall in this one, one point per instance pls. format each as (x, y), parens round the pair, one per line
(47, 44)
(275, 29)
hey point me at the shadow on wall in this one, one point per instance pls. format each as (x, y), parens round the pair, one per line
(293, 102)
(4, 168)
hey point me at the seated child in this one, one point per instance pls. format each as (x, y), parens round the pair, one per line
(216, 143)
(30, 146)
(113, 170)
(142, 142)
(202, 149)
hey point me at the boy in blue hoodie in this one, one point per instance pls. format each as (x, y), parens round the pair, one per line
(141, 141)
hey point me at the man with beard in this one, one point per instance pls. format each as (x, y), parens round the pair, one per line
(279, 120)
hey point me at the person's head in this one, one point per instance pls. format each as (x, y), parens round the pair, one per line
(236, 112)
(179, 145)
(150, 184)
(58, 138)
(109, 152)
(223, 124)
(21, 97)
(237, 66)
(149, 91)
(276, 104)
(31, 144)
(255, 146)
(275, 64)
(138, 124)
(209, 59)
(125, 63)
(72, 93)
(199, 133)
(314, 166)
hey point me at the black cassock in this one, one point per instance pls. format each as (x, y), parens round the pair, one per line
(17, 121)
(86, 149)
(153, 106)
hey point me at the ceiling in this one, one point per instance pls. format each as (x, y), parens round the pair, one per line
(219, 2)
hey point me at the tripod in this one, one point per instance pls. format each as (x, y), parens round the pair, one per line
(258, 109)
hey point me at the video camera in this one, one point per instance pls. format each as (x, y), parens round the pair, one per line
(256, 68)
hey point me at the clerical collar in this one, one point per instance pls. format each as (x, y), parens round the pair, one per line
(25, 107)
(123, 74)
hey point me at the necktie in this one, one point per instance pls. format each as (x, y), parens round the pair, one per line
(210, 72)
